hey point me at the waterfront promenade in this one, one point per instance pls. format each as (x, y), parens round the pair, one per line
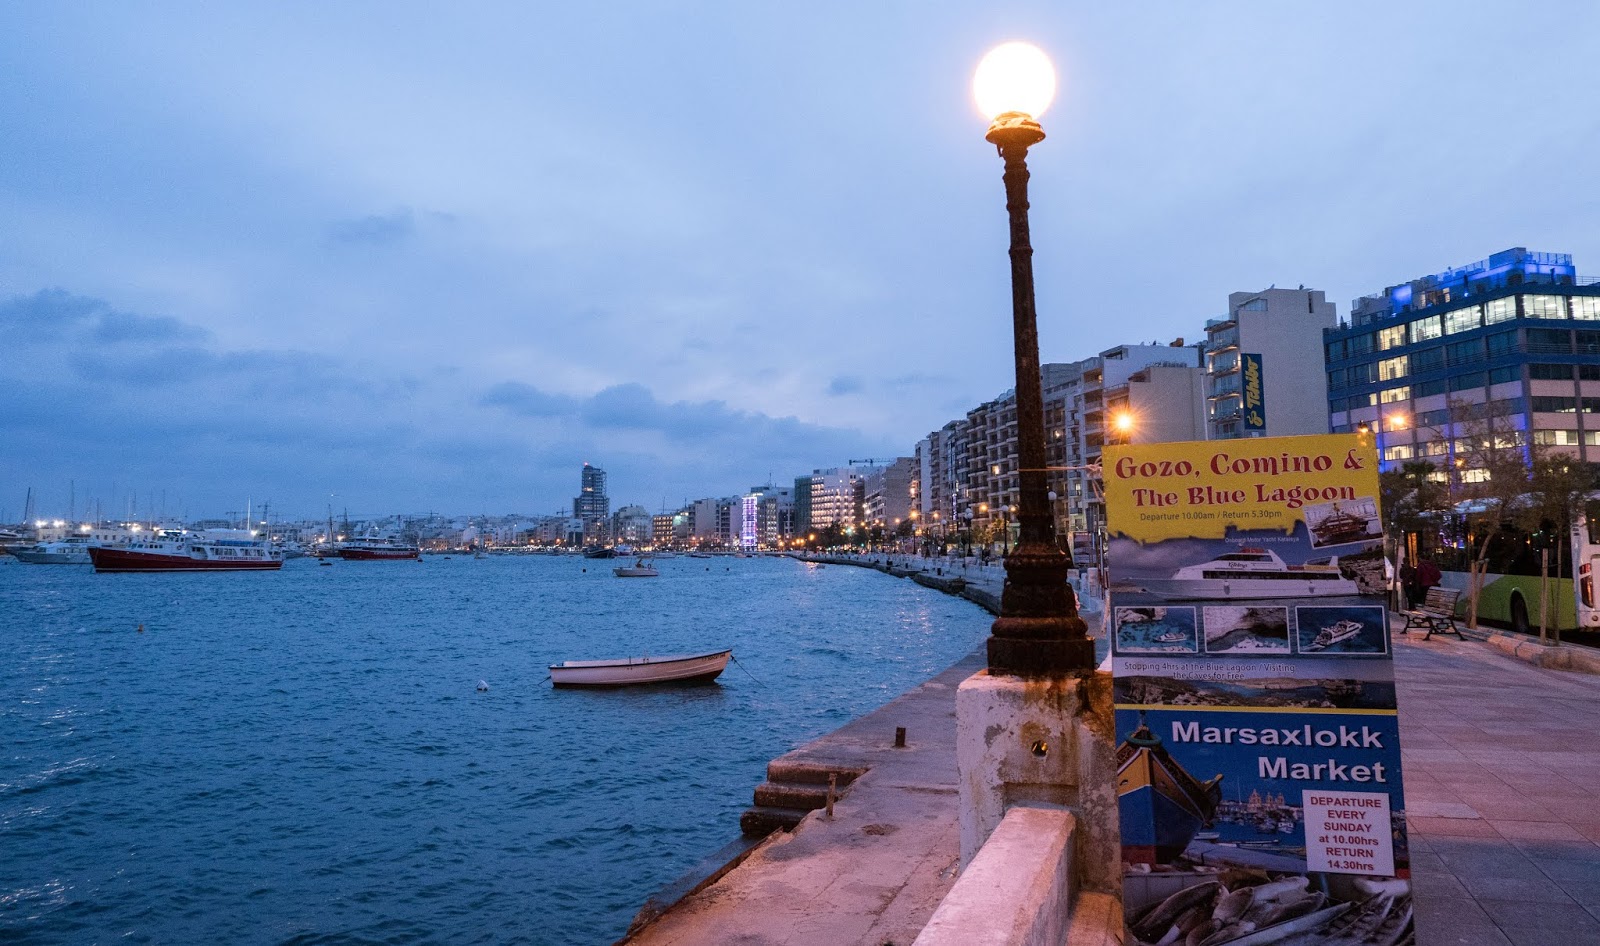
(1500, 756)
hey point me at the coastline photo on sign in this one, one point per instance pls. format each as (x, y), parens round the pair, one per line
(1246, 630)
(1286, 683)
(1343, 522)
(1156, 630)
(1340, 631)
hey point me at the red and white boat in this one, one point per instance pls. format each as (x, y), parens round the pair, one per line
(175, 550)
(377, 550)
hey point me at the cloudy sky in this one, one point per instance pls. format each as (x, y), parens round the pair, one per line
(401, 257)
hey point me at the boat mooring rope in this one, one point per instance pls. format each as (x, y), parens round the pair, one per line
(746, 672)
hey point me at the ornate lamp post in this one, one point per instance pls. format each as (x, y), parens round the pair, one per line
(1039, 632)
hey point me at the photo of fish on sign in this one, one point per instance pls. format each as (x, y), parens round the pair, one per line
(1258, 774)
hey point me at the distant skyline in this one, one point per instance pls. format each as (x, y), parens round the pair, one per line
(387, 258)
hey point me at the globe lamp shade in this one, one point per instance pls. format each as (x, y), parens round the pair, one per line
(1014, 78)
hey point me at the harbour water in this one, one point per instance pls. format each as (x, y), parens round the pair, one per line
(303, 756)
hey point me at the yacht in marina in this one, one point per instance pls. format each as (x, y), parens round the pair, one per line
(1249, 574)
(72, 550)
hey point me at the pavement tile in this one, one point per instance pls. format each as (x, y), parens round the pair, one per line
(1590, 830)
(1522, 890)
(1438, 807)
(1573, 922)
(1541, 830)
(1451, 827)
(1429, 885)
(1446, 922)
(1544, 849)
(1565, 869)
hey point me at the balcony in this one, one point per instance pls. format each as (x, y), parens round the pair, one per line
(1225, 386)
(1224, 340)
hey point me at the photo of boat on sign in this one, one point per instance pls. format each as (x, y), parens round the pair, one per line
(1341, 523)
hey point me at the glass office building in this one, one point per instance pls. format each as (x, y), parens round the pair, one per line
(1515, 337)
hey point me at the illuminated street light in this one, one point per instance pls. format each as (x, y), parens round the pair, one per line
(1123, 422)
(1039, 632)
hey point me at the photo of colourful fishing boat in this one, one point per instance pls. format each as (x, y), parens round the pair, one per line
(1161, 804)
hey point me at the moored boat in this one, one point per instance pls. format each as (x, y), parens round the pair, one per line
(631, 671)
(174, 550)
(378, 550)
(73, 550)
(640, 569)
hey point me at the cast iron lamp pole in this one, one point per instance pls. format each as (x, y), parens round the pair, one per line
(1039, 632)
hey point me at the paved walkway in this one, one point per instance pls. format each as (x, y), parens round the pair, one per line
(1502, 760)
(874, 873)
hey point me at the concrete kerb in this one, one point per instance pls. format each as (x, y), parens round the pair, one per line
(1549, 655)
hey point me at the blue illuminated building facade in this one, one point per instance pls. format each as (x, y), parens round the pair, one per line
(1515, 338)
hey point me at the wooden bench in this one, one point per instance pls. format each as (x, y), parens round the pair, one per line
(1437, 613)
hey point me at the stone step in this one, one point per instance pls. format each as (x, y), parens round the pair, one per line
(806, 797)
(763, 820)
(812, 773)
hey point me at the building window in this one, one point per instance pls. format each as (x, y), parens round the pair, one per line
(1433, 448)
(1541, 307)
(1466, 382)
(1393, 369)
(1588, 343)
(1549, 340)
(1463, 320)
(1502, 343)
(1394, 395)
(1336, 379)
(1499, 310)
(1550, 372)
(1399, 452)
(1555, 405)
(1428, 388)
(1392, 337)
(1556, 438)
(1433, 418)
(1465, 353)
(1590, 405)
(1424, 329)
(1503, 375)
(1335, 351)
(1475, 476)
(1586, 308)
(1254, 305)
(1589, 372)
(1427, 359)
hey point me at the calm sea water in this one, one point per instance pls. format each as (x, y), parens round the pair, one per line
(303, 756)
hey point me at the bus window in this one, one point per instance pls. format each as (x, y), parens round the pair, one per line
(1591, 516)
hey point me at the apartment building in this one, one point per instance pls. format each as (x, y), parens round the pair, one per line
(1263, 365)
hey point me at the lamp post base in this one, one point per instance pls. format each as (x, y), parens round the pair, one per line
(1039, 632)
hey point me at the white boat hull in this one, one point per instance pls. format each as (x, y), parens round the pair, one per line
(52, 557)
(1249, 589)
(694, 668)
(626, 572)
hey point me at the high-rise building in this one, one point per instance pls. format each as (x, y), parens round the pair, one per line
(1263, 364)
(887, 494)
(802, 505)
(767, 516)
(1514, 337)
(591, 506)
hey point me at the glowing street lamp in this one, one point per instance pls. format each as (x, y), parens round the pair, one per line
(1123, 422)
(1039, 632)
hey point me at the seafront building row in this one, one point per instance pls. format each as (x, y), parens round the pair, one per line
(1506, 348)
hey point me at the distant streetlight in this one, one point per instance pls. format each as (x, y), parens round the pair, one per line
(1039, 631)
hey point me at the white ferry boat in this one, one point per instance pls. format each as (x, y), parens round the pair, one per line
(1335, 633)
(1250, 574)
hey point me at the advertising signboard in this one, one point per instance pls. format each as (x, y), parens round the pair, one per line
(1251, 393)
(1259, 775)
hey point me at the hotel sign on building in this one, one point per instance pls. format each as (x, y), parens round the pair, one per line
(1252, 392)
(1258, 756)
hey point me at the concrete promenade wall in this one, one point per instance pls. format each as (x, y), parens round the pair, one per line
(1017, 891)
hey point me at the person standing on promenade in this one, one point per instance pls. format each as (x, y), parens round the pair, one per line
(1428, 576)
(1408, 584)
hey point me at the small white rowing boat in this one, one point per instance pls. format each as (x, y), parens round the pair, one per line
(686, 668)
